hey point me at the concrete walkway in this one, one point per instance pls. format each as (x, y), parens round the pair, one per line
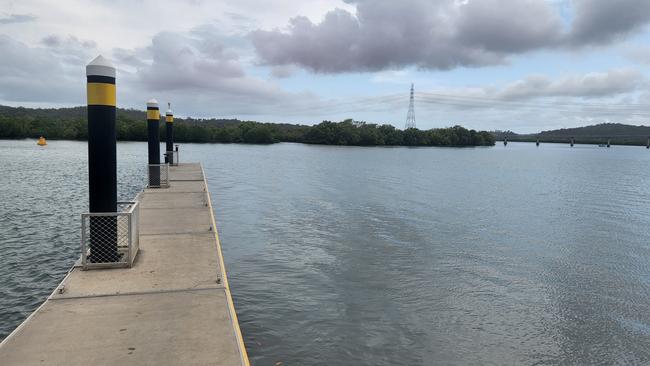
(172, 308)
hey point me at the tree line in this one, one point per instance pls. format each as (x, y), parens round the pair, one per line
(71, 124)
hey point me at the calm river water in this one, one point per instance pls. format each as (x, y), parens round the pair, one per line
(383, 256)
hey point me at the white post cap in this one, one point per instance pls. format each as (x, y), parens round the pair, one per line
(100, 66)
(152, 103)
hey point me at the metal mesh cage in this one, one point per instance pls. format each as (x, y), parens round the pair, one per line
(158, 176)
(110, 239)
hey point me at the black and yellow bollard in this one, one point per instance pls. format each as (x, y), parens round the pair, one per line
(169, 135)
(102, 169)
(153, 123)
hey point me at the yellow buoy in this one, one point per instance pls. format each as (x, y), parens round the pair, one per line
(41, 141)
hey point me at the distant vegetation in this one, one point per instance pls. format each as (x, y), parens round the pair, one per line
(71, 124)
(619, 134)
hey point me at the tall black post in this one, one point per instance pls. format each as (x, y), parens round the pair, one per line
(153, 123)
(102, 170)
(169, 134)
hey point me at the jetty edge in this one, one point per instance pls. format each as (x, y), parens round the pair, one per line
(172, 307)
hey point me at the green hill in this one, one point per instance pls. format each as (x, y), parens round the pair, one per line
(619, 134)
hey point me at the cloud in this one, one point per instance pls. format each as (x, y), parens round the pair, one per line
(201, 74)
(199, 63)
(33, 74)
(541, 91)
(16, 18)
(506, 26)
(193, 69)
(180, 62)
(591, 85)
(604, 21)
(66, 43)
(442, 34)
(282, 71)
(638, 53)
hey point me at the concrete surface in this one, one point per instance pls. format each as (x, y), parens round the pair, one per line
(172, 308)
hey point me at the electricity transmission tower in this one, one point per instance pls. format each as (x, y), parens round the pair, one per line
(410, 116)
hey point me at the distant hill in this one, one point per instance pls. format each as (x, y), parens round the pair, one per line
(620, 134)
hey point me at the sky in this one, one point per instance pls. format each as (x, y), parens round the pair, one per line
(520, 65)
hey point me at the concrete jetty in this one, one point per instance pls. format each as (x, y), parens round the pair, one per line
(173, 307)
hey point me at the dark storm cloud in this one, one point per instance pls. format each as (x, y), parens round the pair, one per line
(16, 18)
(442, 34)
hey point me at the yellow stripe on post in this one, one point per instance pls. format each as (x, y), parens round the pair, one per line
(101, 94)
(153, 114)
(169, 119)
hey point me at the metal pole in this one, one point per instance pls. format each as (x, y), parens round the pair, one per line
(153, 123)
(169, 134)
(102, 168)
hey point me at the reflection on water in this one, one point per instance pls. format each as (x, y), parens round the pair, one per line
(379, 256)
